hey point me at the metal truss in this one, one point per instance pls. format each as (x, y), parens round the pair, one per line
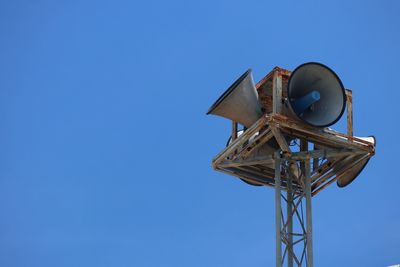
(275, 151)
(296, 172)
(293, 228)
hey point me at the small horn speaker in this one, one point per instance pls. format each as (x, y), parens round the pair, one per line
(316, 94)
(239, 102)
(352, 174)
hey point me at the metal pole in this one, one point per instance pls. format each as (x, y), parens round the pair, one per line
(307, 181)
(289, 216)
(315, 160)
(349, 96)
(278, 217)
(277, 92)
(234, 130)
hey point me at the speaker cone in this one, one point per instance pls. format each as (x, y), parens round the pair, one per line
(316, 94)
(239, 102)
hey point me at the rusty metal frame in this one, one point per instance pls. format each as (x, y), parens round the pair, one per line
(333, 155)
(238, 156)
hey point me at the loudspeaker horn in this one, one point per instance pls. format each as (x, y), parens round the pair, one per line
(316, 94)
(239, 102)
(352, 174)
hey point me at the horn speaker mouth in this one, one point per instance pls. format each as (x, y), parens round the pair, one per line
(315, 77)
(345, 181)
(228, 91)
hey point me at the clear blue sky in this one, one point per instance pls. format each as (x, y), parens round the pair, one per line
(105, 147)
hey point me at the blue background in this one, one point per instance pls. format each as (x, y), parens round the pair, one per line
(105, 148)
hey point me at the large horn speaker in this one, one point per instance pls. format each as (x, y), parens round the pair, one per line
(239, 102)
(356, 170)
(316, 95)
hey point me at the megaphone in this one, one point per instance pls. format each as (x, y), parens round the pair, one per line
(352, 174)
(316, 94)
(239, 102)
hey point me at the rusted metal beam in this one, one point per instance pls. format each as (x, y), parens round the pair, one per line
(321, 170)
(262, 179)
(289, 217)
(325, 153)
(346, 167)
(283, 72)
(353, 140)
(323, 177)
(309, 133)
(349, 103)
(278, 210)
(259, 140)
(308, 196)
(234, 130)
(251, 170)
(240, 140)
(257, 143)
(280, 139)
(277, 92)
(268, 159)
